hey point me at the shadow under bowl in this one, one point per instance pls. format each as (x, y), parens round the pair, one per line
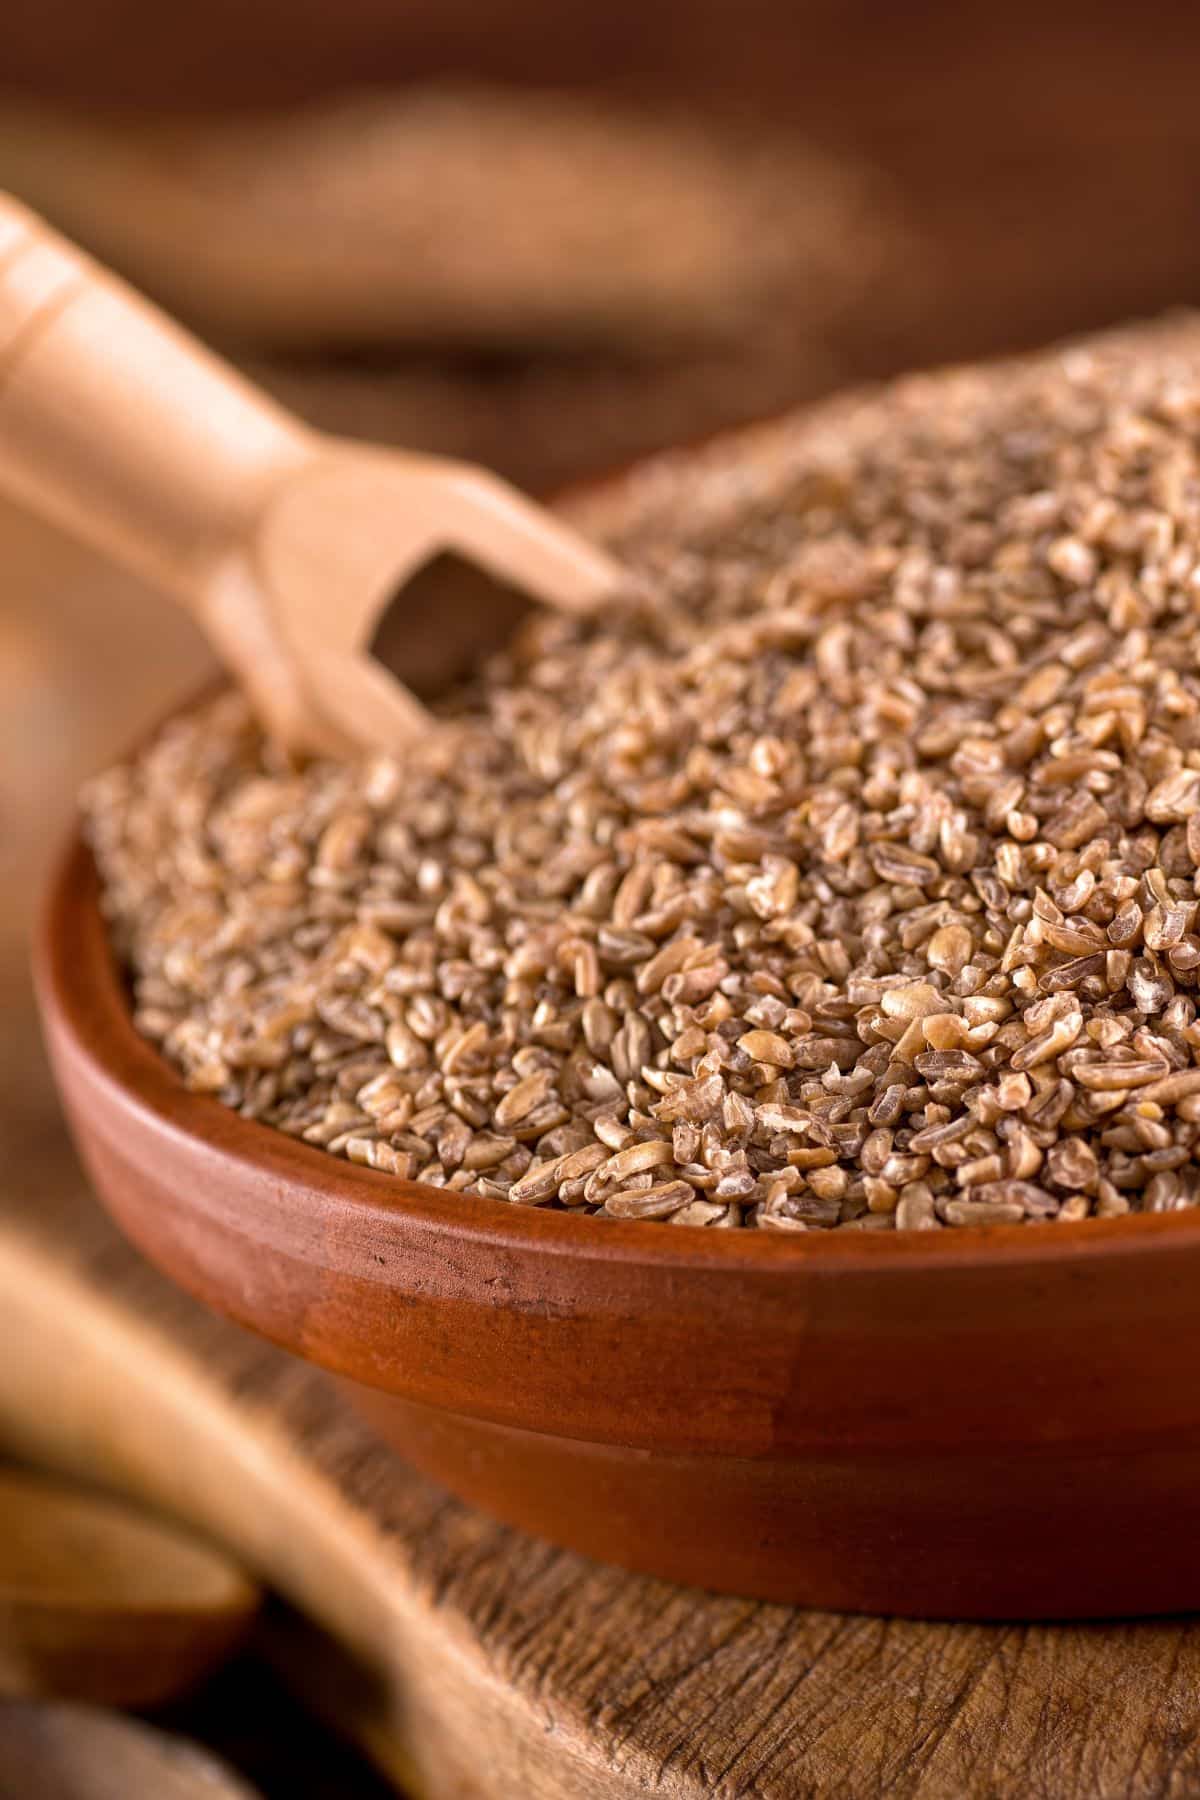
(972, 1423)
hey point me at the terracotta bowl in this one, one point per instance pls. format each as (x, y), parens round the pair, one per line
(970, 1423)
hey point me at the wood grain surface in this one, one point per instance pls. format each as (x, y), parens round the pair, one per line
(481, 1663)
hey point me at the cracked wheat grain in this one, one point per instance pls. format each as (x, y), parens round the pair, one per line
(851, 883)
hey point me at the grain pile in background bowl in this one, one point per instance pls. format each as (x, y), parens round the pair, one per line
(851, 882)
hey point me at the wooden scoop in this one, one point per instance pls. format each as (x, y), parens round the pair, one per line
(100, 1602)
(285, 544)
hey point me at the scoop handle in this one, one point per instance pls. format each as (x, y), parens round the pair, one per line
(118, 425)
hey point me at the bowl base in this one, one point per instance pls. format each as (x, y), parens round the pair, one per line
(1063, 1534)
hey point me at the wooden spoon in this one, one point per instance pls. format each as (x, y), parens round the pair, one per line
(59, 1752)
(286, 545)
(100, 1602)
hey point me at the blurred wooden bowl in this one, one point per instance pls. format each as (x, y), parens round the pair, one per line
(104, 1603)
(61, 1751)
(970, 1423)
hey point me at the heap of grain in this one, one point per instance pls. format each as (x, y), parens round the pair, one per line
(847, 879)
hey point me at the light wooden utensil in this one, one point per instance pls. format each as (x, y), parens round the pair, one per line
(285, 544)
(100, 1602)
(59, 1752)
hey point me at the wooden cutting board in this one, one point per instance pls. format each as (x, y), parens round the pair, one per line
(473, 1664)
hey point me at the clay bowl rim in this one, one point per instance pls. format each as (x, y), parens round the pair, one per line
(83, 988)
